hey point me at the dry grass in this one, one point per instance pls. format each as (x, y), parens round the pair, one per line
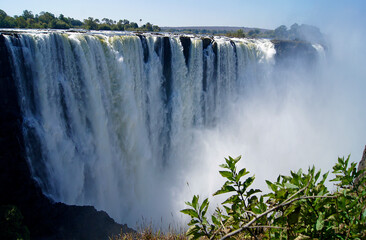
(149, 234)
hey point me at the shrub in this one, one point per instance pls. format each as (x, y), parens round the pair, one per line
(298, 206)
(11, 226)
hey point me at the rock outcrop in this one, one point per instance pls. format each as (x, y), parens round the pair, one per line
(362, 164)
(289, 52)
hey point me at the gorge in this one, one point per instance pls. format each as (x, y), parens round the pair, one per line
(121, 121)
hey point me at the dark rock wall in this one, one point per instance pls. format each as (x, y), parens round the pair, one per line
(44, 218)
(290, 53)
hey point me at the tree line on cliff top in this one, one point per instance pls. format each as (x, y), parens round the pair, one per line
(47, 20)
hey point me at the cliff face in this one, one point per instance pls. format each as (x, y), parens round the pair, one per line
(44, 218)
(362, 164)
(290, 52)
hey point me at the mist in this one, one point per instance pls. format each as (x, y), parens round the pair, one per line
(296, 119)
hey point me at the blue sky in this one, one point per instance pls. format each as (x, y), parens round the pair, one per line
(249, 13)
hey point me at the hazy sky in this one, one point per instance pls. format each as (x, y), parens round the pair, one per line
(249, 13)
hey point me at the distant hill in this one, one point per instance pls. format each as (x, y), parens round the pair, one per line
(217, 29)
(296, 32)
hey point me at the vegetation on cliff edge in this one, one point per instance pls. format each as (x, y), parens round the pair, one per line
(47, 20)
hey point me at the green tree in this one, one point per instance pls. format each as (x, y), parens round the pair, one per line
(281, 32)
(254, 33)
(48, 20)
(238, 34)
(108, 21)
(59, 24)
(133, 25)
(91, 24)
(156, 28)
(104, 26)
(31, 22)
(4, 19)
(75, 23)
(149, 27)
(27, 14)
(20, 22)
(46, 17)
(2, 14)
(120, 25)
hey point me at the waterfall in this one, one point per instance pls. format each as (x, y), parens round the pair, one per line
(114, 121)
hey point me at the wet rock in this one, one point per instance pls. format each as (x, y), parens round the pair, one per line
(362, 165)
(289, 53)
(186, 43)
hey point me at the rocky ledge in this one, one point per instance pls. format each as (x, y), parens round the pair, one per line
(290, 52)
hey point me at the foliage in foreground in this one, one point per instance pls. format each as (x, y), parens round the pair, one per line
(11, 223)
(298, 206)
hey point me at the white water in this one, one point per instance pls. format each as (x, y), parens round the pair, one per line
(101, 125)
(109, 127)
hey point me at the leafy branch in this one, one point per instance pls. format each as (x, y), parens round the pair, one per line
(297, 205)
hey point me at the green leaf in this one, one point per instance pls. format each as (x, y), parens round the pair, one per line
(316, 176)
(225, 189)
(204, 205)
(231, 200)
(248, 182)
(256, 210)
(252, 191)
(204, 221)
(231, 166)
(321, 193)
(324, 178)
(252, 200)
(195, 202)
(320, 223)
(286, 178)
(215, 220)
(295, 176)
(226, 174)
(282, 193)
(190, 212)
(224, 166)
(192, 222)
(363, 217)
(291, 186)
(241, 173)
(237, 159)
(272, 186)
(189, 204)
(193, 232)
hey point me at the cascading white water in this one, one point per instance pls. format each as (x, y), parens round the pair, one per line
(114, 121)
